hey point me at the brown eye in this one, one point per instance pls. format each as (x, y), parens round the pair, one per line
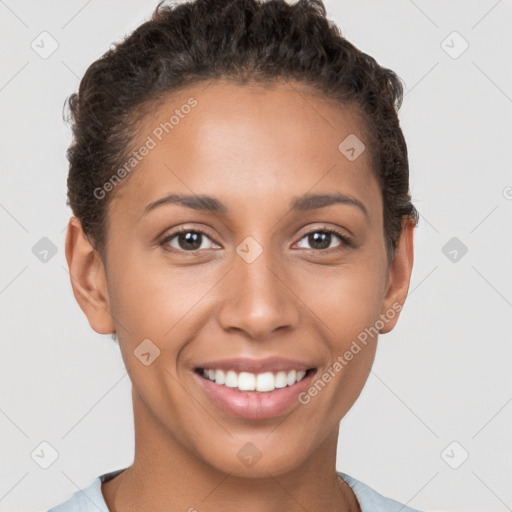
(186, 240)
(322, 239)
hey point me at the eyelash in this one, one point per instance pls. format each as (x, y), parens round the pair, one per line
(346, 242)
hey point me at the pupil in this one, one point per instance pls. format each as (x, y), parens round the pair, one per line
(190, 238)
(322, 237)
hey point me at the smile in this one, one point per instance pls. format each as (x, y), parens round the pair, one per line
(254, 389)
(246, 381)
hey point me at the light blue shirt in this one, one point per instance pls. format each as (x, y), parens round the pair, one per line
(91, 498)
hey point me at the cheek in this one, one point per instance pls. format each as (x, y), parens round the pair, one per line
(348, 299)
(166, 305)
(348, 303)
(149, 299)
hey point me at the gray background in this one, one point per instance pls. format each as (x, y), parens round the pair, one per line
(442, 375)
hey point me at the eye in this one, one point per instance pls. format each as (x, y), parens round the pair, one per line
(187, 240)
(192, 240)
(320, 239)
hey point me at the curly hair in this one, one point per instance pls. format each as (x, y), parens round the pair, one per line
(244, 40)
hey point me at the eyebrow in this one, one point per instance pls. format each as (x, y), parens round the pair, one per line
(213, 205)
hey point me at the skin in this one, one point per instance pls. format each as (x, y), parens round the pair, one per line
(254, 149)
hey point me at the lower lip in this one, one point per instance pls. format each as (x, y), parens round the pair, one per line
(253, 404)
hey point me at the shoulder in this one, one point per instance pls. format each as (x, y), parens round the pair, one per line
(89, 499)
(370, 500)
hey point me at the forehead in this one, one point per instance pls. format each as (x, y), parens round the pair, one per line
(243, 142)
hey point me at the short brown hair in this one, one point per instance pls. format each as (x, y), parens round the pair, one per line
(245, 40)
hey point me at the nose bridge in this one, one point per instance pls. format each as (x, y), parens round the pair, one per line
(257, 299)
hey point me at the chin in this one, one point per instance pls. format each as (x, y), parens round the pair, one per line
(256, 456)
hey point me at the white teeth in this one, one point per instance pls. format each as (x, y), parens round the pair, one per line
(280, 380)
(300, 375)
(262, 382)
(265, 382)
(291, 378)
(231, 380)
(220, 378)
(246, 381)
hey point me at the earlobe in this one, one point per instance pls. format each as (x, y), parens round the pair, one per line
(399, 276)
(88, 279)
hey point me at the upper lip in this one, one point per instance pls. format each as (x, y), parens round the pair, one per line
(271, 364)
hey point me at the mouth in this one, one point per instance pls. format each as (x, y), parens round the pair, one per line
(259, 382)
(254, 389)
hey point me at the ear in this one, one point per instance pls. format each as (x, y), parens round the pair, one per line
(399, 276)
(88, 278)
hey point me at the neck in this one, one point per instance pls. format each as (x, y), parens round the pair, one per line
(167, 476)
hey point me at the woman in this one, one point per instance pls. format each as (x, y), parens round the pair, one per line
(242, 221)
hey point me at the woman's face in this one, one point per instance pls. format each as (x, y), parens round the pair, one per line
(255, 284)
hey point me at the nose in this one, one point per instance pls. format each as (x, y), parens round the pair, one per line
(258, 298)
